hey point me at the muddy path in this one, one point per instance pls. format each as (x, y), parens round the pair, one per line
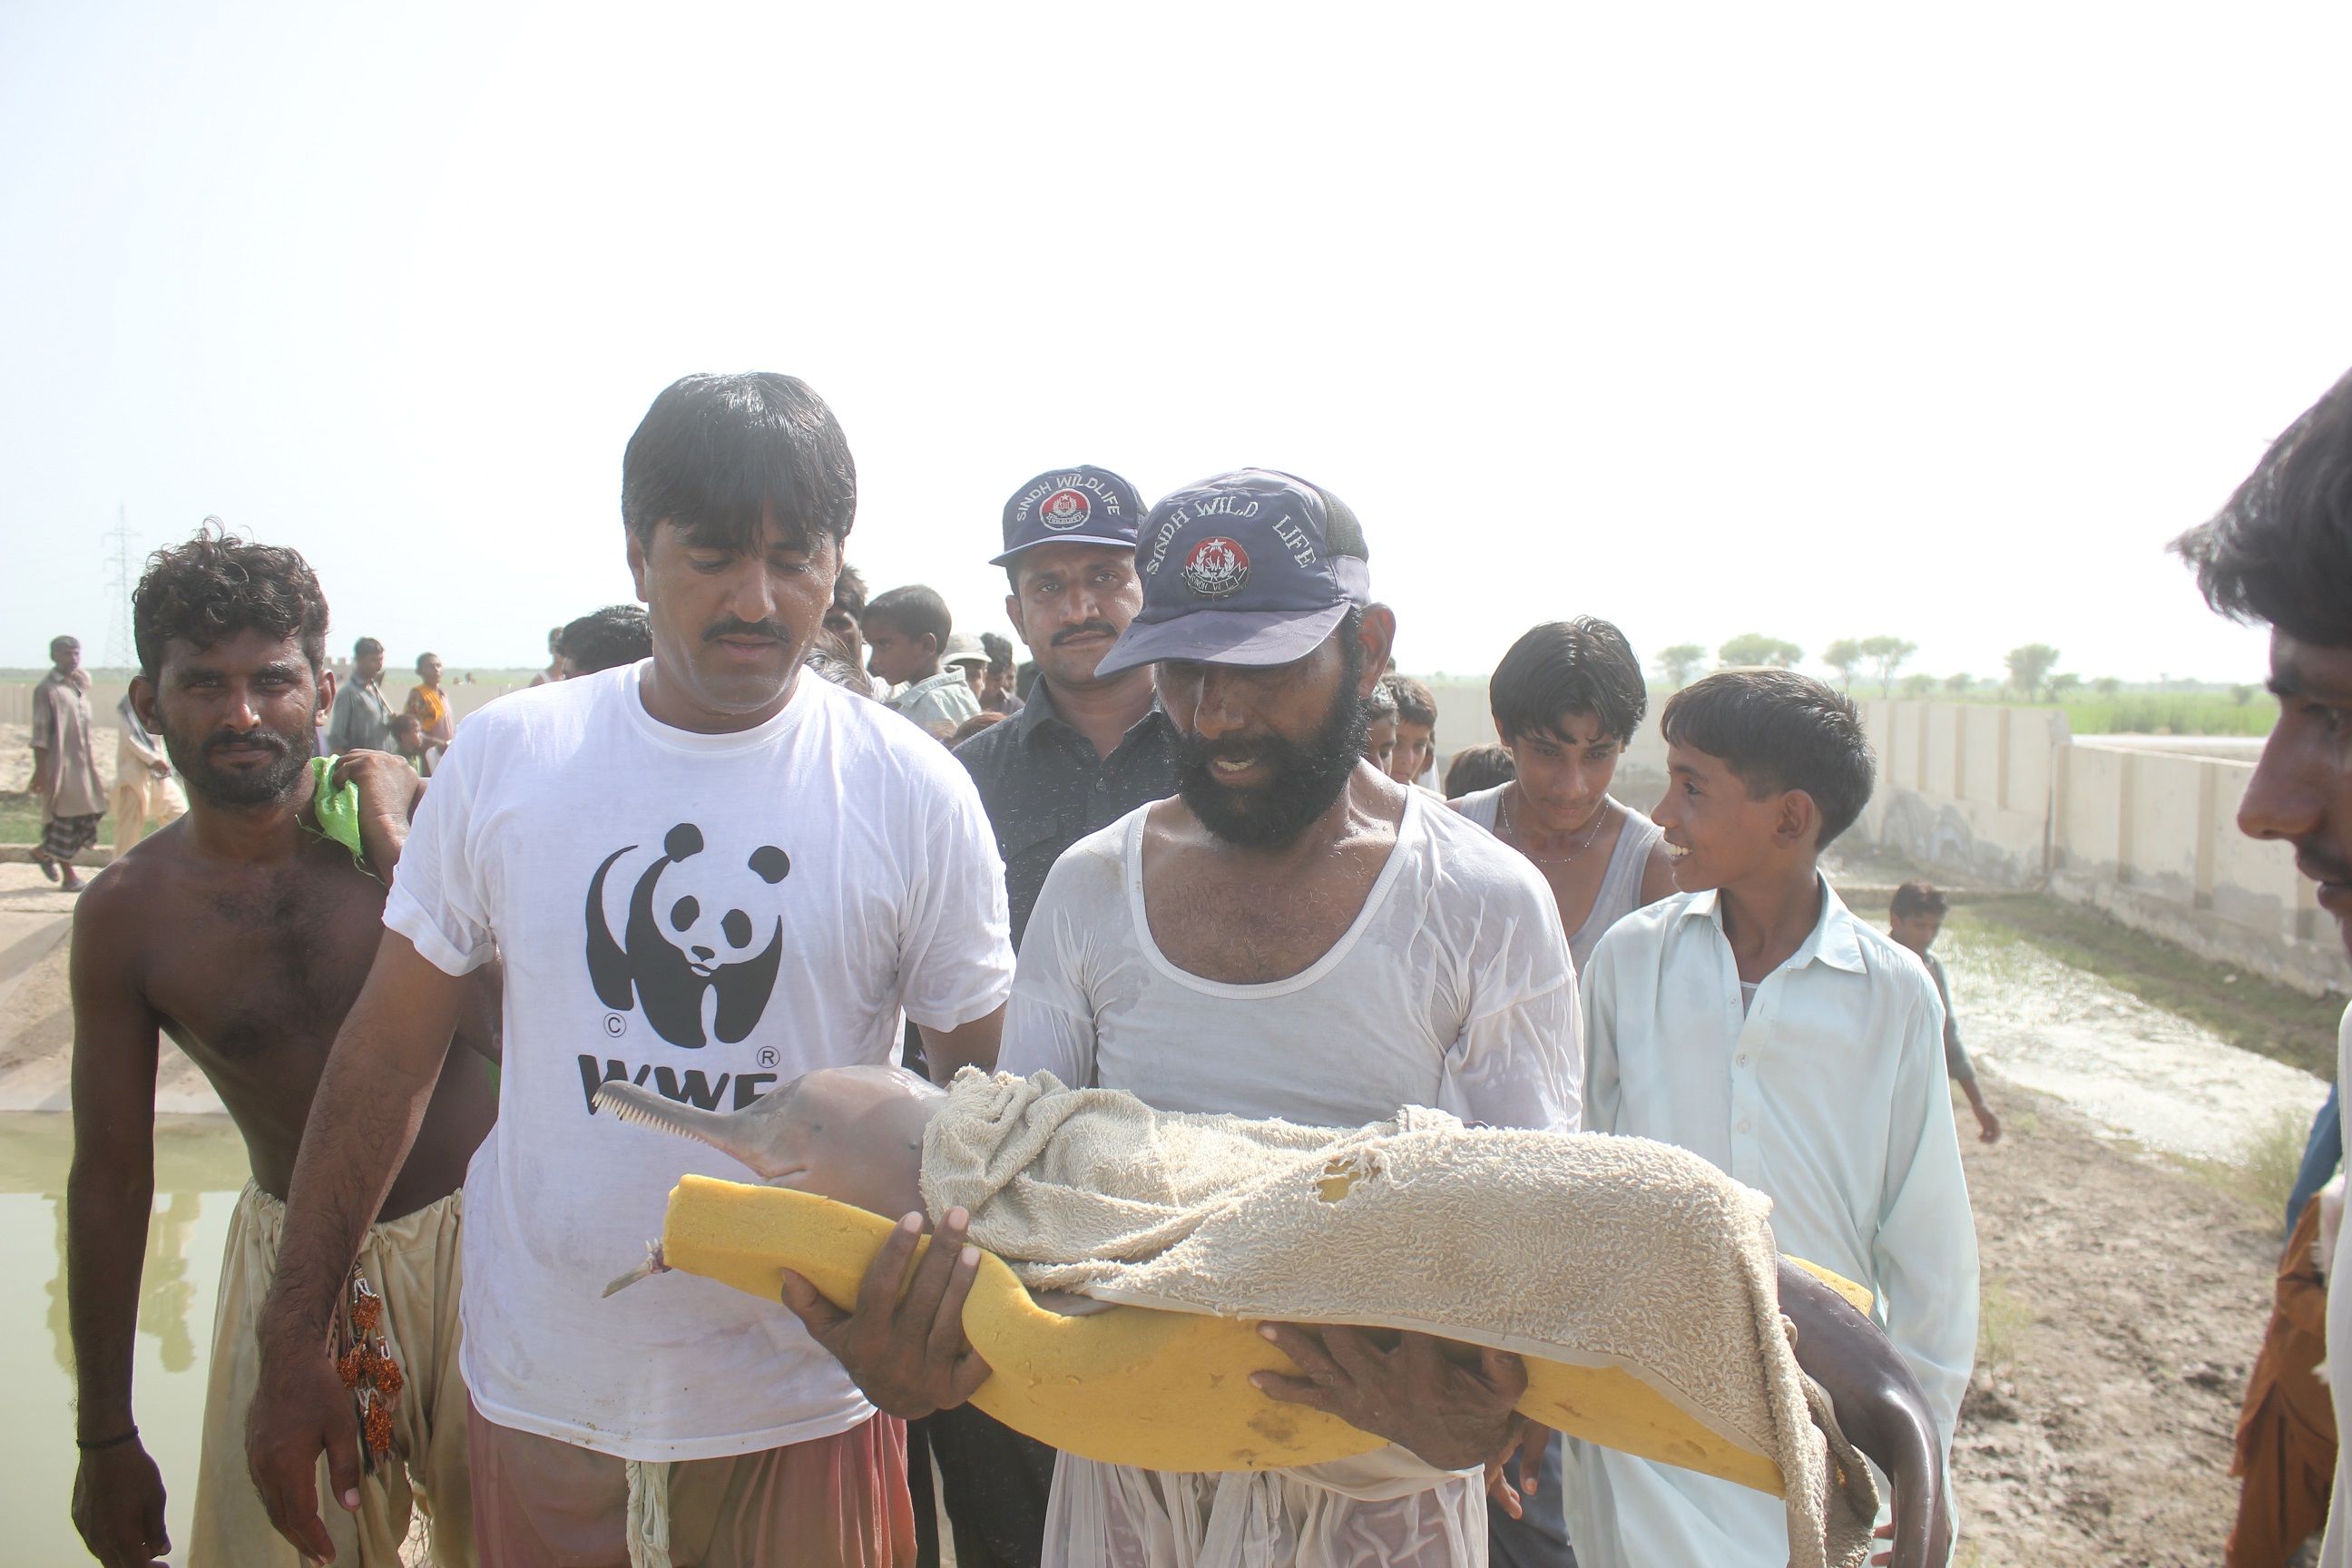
(2125, 1303)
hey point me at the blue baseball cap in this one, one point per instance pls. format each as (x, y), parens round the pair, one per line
(1252, 567)
(1084, 505)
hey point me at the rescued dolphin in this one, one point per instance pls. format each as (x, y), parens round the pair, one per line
(854, 1135)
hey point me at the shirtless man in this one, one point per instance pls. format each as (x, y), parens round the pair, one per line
(244, 933)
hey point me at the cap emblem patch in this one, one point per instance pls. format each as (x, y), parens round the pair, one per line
(1064, 510)
(1216, 568)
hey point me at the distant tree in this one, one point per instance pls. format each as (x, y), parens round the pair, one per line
(1845, 655)
(2064, 682)
(1889, 655)
(2030, 667)
(1958, 685)
(2244, 696)
(2107, 686)
(1916, 685)
(1680, 662)
(1754, 648)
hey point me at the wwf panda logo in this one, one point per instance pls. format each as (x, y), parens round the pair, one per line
(693, 921)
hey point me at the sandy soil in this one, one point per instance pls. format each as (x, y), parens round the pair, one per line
(2129, 1301)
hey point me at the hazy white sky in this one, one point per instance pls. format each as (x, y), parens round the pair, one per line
(1817, 322)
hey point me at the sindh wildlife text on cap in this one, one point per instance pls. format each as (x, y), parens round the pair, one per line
(1083, 505)
(1251, 567)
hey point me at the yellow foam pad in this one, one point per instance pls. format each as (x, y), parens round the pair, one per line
(1132, 1385)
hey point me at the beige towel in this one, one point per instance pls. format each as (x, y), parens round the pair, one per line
(1575, 1247)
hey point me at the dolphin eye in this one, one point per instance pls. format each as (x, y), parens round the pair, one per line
(737, 927)
(684, 913)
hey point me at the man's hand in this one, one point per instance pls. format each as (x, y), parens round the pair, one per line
(118, 1506)
(1529, 1447)
(388, 787)
(42, 780)
(161, 770)
(1988, 1125)
(1451, 1416)
(904, 1345)
(299, 1410)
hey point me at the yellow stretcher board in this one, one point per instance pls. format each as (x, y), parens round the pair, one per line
(1133, 1385)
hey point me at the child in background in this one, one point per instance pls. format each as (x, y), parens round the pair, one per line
(1914, 920)
(1416, 731)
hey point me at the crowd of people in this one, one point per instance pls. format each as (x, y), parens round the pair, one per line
(1188, 849)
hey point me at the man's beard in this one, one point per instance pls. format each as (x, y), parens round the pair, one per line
(265, 785)
(1303, 779)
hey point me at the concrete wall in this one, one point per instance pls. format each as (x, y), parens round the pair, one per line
(2142, 826)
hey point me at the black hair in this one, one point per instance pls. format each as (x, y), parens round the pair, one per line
(714, 451)
(849, 592)
(607, 638)
(1779, 731)
(1414, 705)
(1917, 899)
(422, 658)
(1474, 768)
(216, 586)
(1583, 665)
(63, 640)
(1381, 704)
(1000, 649)
(915, 610)
(2281, 551)
(365, 646)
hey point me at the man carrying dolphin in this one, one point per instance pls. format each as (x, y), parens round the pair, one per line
(1292, 935)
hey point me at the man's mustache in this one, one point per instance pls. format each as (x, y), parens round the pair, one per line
(221, 740)
(2321, 864)
(1083, 630)
(736, 627)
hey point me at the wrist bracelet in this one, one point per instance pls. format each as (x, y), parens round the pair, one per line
(106, 1442)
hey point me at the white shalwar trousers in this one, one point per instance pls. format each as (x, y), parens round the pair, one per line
(1382, 1510)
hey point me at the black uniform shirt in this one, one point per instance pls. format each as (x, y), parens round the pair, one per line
(1045, 789)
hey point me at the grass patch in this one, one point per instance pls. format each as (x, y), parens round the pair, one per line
(2149, 713)
(20, 818)
(2251, 1013)
(2002, 1317)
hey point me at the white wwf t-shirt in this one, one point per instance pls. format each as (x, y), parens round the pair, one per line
(1451, 989)
(711, 915)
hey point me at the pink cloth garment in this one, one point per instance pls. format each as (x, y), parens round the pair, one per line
(831, 1502)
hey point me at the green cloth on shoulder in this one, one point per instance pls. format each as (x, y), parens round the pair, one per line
(337, 810)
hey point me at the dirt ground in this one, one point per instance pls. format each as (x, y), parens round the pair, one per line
(2126, 1301)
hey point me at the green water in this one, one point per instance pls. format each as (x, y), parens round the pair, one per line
(200, 1167)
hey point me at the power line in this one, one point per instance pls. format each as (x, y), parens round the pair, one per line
(121, 577)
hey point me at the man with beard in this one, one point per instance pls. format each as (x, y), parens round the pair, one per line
(2280, 553)
(244, 932)
(1293, 935)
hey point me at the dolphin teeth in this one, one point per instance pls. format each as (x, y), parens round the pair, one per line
(652, 1265)
(632, 1103)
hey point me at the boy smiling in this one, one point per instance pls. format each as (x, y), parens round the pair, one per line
(1751, 1019)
